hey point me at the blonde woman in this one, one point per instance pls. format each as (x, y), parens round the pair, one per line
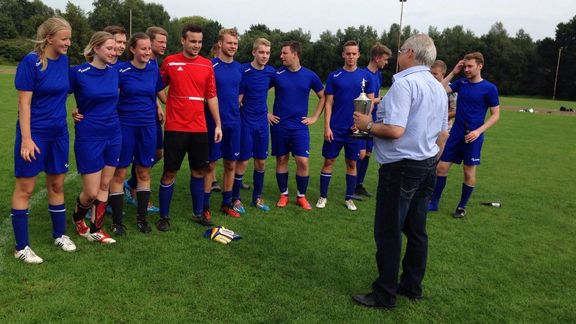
(42, 134)
(98, 136)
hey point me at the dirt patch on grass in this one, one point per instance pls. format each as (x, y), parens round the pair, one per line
(7, 71)
(546, 111)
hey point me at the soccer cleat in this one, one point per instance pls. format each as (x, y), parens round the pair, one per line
(101, 237)
(163, 224)
(282, 201)
(303, 202)
(118, 229)
(230, 211)
(321, 203)
(28, 256)
(238, 206)
(260, 204)
(205, 218)
(152, 208)
(65, 243)
(350, 204)
(215, 187)
(361, 191)
(81, 228)
(143, 226)
(459, 213)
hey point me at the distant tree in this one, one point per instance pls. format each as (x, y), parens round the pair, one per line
(566, 39)
(7, 28)
(81, 32)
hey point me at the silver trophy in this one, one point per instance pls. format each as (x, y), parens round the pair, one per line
(362, 105)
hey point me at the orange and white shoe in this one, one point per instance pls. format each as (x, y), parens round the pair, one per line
(282, 201)
(228, 210)
(81, 228)
(303, 202)
(101, 237)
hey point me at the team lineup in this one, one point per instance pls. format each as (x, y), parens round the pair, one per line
(217, 109)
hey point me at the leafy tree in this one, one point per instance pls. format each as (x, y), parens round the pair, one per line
(81, 32)
(7, 29)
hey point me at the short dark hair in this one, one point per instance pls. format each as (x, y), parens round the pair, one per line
(475, 56)
(193, 28)
(114, 29)
(379, 50)
(155, 30)
(294, 47)
(351, 43)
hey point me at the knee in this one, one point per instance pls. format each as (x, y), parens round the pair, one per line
(159, 155)
(442, 170)
(229, 166)
(168, 177)
(259, 165)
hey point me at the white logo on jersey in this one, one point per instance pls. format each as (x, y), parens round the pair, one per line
(126, 69)
(66, 165)
(280, 72)
(83, 70)
(38, 63)
(236, 154)
(180, 69)
(475, 160)
(215, 64)
(248, 70)
(307, 152)
(337, 74)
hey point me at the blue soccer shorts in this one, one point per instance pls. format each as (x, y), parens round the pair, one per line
(52, 159)
(295, 141)
(138, 146)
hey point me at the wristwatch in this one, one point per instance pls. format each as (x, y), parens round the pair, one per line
(369, 127)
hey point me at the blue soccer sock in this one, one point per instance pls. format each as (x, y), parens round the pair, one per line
(226, 198)
(302, 185)
(207, 200)
(165, 198)
(133, 181)
(466, 193)
(238, 178)
(362, 166)
(58, 215)
(258, 181)
(282, 180)
(197, 193)
(435, 200)
(350, 185)
(20, 226)
(324, 183)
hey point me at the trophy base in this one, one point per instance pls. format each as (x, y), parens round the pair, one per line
(360, 135)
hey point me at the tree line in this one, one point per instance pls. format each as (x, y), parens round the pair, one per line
(517, 64)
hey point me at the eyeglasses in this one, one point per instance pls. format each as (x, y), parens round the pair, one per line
(402, 50)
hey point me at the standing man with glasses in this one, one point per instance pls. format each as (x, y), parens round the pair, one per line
(411, 127)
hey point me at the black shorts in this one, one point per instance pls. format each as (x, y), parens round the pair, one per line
(177, 144)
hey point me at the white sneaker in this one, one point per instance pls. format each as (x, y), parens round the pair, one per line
(321, 202)
(27, 255)
(350, 204)
(65, 243)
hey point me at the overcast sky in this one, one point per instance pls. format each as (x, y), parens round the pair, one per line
(537, 17)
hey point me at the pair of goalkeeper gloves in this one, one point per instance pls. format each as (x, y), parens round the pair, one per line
(221, 235)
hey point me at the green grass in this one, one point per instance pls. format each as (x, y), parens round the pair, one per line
(509, 264)
(522, 102)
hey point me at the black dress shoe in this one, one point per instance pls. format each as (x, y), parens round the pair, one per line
(369, 300)
(409, 295)
(357, 197)
(361, 191)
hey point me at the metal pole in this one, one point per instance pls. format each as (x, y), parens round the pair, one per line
(130, 22)
(557, 68)
(400, 32)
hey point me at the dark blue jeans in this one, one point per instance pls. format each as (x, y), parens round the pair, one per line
(404, 191)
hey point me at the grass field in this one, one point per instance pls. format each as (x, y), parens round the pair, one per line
(509, 264)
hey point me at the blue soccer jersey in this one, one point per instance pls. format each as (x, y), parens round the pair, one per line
(228, 78)
(292, 91)
(96, 93)
(49, 91)
(376, 81)
(138, 89)
(474, 99)
(254, 88)
(345, 87)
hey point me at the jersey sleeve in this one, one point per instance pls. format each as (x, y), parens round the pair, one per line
(26, 74)
(491, 97)
(210, 91)
(317, 85)
(159, 83)
(455, 86)
(329, 86)
(165, 76)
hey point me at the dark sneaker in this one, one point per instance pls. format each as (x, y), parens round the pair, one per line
(204, 219)
(163, 224)
(118, 229)
(356, 197)
(361, 191)
(143, 226)
(215, 187)
(459, 213)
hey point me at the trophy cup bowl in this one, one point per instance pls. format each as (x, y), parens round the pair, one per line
(361, 105)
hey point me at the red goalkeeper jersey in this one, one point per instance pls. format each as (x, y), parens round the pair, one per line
(190, 82)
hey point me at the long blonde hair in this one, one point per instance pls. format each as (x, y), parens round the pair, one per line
(48, 28)
(97, 39)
